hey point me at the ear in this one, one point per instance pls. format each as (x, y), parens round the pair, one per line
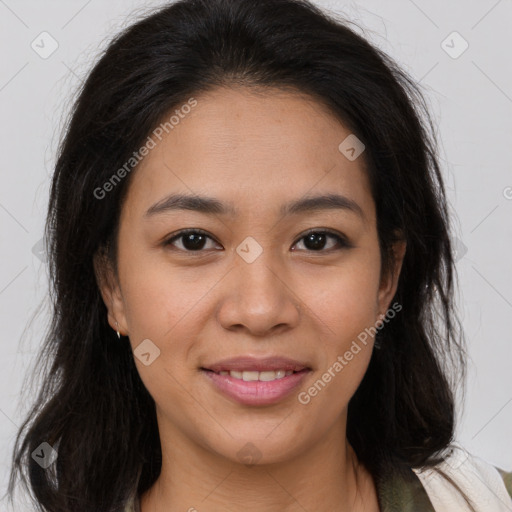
(110, 290)
(389, 280)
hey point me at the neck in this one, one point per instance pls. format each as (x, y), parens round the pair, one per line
(325, 477)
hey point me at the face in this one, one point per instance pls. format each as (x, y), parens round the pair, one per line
(251, 279)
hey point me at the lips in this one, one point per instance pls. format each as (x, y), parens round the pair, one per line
(254, 381)
(253, 364)
(255, 392)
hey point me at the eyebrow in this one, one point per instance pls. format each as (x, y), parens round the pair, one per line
(212, 206)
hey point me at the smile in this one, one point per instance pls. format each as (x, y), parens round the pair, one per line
(249, 375)
(256, 388)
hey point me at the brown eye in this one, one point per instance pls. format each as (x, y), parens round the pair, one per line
(317, 241)
(191, 240)
(195, 240)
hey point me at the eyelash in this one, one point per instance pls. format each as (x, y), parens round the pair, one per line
(341, 240)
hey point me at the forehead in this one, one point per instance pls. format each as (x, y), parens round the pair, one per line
(254, 147)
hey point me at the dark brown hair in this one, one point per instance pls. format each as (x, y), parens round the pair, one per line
(93, 407)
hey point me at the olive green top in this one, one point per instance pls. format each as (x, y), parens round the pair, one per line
(395, 495)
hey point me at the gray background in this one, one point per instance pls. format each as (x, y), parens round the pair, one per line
(470, 97)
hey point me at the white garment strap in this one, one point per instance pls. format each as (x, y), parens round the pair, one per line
(480, 481)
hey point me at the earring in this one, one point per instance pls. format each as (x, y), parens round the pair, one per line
(117, 331)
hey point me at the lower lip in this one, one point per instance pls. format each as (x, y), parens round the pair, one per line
(256, 392)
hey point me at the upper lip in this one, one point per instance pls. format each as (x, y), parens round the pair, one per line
(250, 363)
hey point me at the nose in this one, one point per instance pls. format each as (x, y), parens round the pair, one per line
(258, 299)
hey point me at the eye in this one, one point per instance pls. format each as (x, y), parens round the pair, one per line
(192, 240)
(316, 241)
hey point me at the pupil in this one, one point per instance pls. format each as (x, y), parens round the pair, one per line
(317, 240)
(194, 241)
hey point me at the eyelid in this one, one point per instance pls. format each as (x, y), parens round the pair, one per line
(342, 239)
(186, 231)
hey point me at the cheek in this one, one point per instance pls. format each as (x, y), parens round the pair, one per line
(345, 305)
(346, 312)
(166, 308)
(346, 297)
(169, 307)
(159, 298)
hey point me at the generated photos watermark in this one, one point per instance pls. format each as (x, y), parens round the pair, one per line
(304, 397)
(158, 132)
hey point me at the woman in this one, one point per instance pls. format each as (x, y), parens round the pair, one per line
(253, 280)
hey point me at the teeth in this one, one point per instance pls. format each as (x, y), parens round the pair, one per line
(252, 375)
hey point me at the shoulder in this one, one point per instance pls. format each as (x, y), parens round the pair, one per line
(464, 478)
(133, 505)
(507, 479)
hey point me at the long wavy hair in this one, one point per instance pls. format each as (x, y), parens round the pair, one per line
(92, 406)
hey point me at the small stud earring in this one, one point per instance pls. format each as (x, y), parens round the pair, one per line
(117, 331)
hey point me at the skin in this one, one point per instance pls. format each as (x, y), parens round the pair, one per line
(257, 150)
